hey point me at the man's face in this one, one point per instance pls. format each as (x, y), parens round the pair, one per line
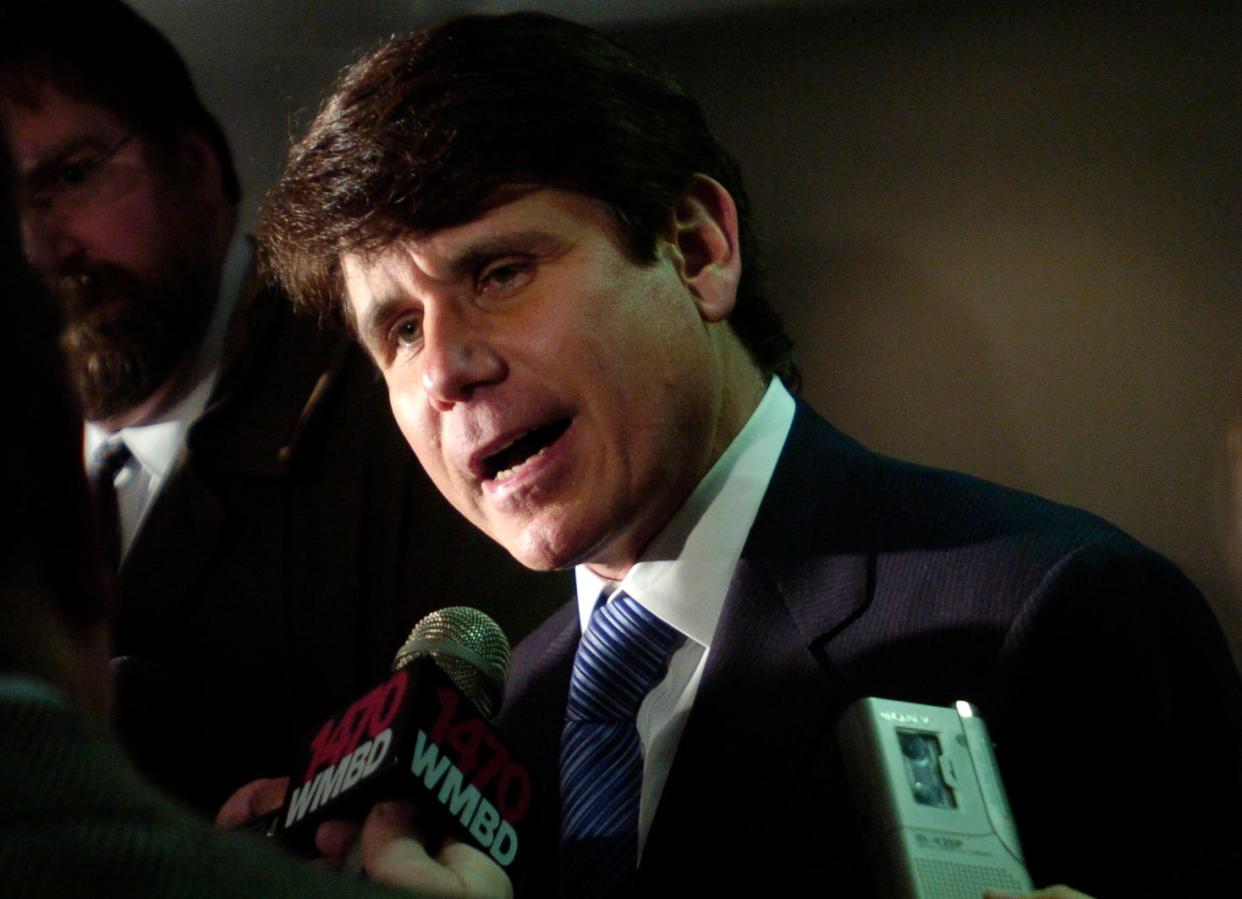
(120, 240)
(565, 398)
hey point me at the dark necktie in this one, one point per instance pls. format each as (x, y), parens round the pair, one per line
(106, 463)
(622, 655)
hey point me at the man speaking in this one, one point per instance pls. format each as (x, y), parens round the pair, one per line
(549, 258)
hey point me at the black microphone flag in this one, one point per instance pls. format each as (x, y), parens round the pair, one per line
(419, 736)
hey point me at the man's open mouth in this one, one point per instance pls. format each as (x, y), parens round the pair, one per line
(501, 465)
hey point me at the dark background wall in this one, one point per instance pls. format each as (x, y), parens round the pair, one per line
(1004, 235)
(1008, 239)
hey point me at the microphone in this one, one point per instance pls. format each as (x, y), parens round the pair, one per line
(421, 734)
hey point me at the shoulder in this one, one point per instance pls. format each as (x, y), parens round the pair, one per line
(947, 566)
(290, 388)
(76, 820)
(902, 512)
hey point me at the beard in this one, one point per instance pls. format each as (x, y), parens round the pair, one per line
(125, 335)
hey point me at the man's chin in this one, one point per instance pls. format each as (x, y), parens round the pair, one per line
(109, 382)
(104, 402)
(545, 549)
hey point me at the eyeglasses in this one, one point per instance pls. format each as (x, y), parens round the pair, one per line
(75, 183)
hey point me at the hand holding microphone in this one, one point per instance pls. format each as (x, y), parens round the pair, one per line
(390, 846)
(394, 853)
(417, 758)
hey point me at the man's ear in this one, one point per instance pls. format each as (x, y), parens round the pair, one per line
(199, 167)
(703, 241)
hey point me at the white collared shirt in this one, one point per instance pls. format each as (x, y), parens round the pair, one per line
(156, 446)
(683, 578)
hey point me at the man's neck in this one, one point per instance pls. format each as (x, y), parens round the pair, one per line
(685, 571)
(745, 387)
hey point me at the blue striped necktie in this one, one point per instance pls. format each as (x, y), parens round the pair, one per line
(622, 655)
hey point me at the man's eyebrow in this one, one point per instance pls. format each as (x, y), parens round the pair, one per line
(475, 254)
(54, 157)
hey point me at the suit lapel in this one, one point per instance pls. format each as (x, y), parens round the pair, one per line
(167, 558)
(249, 429)
(531, 720)
(815, 531)
(759, 736)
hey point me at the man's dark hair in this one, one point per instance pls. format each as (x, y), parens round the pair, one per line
(101, 51)
(421, 133)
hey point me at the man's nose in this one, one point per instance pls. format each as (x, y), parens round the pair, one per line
(459, 357)
(47, 242)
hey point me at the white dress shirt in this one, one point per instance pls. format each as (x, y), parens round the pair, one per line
(156, 446)
(683, 578)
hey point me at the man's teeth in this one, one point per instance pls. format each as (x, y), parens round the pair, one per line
(505, 474)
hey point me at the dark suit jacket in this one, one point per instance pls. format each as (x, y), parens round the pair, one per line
(1106, 682)
(288, 555)
(76, 820)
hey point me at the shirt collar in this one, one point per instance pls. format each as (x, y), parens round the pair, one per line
(683, 575)
(156, 445)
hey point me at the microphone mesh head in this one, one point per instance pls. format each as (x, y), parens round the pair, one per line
(468, 647)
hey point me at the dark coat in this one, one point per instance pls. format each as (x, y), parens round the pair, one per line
(290, 552)
(1107, 684)
(77, 820)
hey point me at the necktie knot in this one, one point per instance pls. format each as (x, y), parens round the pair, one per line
(107, 461)
(620, 658)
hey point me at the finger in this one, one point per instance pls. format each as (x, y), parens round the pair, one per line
(255, 799)
(395, 853)
(334, 839)
(393, 843)
(482, 876)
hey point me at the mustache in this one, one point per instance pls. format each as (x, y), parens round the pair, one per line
(87, 286)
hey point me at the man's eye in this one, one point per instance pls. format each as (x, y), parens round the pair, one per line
(72, 175)
(503, 275)
(58, 182)
(407, 333)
